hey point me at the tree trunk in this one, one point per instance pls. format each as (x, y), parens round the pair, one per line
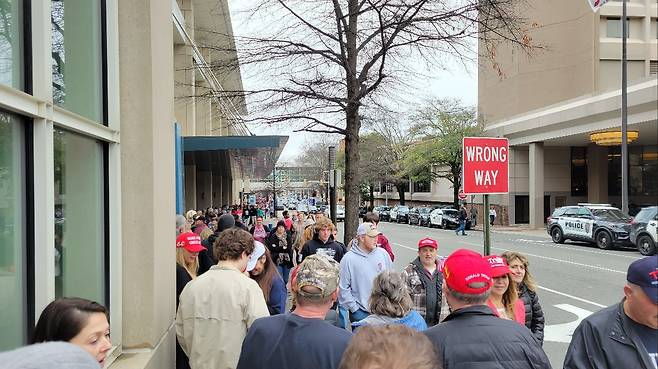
(351, 174)
(456, 185)
(400, 189)
(372, 197)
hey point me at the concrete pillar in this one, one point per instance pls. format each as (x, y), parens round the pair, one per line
(146, 62)
(536, 184)
(597, 174)
(190, 187)
(227, 194)
(203, 189)
(184, 103)
(216, 188)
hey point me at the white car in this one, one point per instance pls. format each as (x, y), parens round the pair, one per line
(340, 213)
(393, 213)
(440, 218)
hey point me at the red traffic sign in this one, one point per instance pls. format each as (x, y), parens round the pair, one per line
(485, 165)
(461, 195)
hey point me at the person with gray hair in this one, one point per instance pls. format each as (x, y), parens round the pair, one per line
(483, 338)
(48, 355)
(390, 303)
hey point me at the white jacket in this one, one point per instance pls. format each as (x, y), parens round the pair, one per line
(214, 313)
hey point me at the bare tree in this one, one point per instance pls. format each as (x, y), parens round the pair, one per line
(323, 62)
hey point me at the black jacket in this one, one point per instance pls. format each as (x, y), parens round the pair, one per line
(534, 316)
(604, 340)
(462, 214)
(331, 248)
(475, 338)
(272, 244)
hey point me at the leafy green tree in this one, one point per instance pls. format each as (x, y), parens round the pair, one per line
(439, 128)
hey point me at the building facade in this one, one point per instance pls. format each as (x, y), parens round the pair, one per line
(101, 106)
(548, 105)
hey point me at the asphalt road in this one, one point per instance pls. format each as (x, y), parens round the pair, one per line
(574, 279)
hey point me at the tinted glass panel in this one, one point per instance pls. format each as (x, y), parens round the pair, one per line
(11, 43)
(12, 233)
(79, 217)
(76, 57)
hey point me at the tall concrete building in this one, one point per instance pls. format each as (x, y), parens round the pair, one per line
(551, 102)
(111, 120)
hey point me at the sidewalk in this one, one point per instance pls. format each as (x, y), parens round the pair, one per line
(517, 230)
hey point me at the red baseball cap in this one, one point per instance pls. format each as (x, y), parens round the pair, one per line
(190, 242)
(465, 267)
(498, 265)
(428, 242)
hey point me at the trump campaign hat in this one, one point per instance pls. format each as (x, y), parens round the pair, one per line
(189, 241)
(466, 272)
(644, 273)
(428, 242)
(498, 265)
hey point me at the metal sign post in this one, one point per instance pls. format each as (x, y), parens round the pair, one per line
(487, 228)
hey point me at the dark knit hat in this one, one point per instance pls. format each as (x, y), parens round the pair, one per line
(226, 221)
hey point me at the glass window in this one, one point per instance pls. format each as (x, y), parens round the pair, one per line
(578, 171)
(79, 217)
(642, 171)
(77, 57)
(421, 186)
(613, 27)
(11, 43)
(12, 233)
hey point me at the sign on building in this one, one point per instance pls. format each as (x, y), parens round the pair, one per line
(596, 4)
(485, 165)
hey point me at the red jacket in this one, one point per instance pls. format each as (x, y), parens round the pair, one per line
(519, 310)
(382, 242)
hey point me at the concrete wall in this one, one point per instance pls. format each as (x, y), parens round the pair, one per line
(565, 68)
(148, 188)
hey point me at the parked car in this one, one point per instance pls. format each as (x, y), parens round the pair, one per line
(420, 216)
(393, 213)
(402, 214)
(362, 211)
(446, 218)
(643, 230)
(600, 224)
(383, 212)
(340, 213)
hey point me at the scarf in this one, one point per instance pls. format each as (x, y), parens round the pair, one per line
(432, 285)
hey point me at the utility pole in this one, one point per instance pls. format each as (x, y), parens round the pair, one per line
(624, 113)
(332, 183)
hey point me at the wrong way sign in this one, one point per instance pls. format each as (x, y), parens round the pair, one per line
(485, 165)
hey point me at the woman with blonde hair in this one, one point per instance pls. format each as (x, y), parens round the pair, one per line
(390, 303)
(504, 300)
(188, 246)
(527, 291)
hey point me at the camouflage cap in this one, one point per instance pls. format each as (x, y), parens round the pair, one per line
(320, 272)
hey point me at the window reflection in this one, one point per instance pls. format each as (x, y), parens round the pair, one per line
(11, 43)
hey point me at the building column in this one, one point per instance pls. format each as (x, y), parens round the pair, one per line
(146, 64)
(536, 184)
(203, 189)
(226, 190)
(597, 174)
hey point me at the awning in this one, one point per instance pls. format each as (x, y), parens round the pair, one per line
(250, 156)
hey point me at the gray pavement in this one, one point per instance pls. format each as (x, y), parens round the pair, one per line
(574, 279)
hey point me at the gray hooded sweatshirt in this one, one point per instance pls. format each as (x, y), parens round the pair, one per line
(49, 355)
(358, 270)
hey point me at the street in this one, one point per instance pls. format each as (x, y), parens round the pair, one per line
(574, 279)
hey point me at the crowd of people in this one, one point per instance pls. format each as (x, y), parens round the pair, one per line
(290, 295)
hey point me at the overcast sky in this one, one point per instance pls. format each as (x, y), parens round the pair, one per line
(457, 82)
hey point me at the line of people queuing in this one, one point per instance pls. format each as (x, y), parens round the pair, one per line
(350, 309)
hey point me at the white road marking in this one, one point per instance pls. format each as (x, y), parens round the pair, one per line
(563, 332)
(579, 249)
(571, 297)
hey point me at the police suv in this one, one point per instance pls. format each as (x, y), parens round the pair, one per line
(602, 224)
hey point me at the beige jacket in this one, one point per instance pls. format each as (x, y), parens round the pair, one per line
(214, 313)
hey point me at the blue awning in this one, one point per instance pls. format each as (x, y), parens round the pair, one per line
(250, 156)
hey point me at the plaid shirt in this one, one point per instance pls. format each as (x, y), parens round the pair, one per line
(419, 294)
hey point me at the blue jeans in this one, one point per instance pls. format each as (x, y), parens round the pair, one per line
(358, 315)
(284, 271)
(462, 227)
